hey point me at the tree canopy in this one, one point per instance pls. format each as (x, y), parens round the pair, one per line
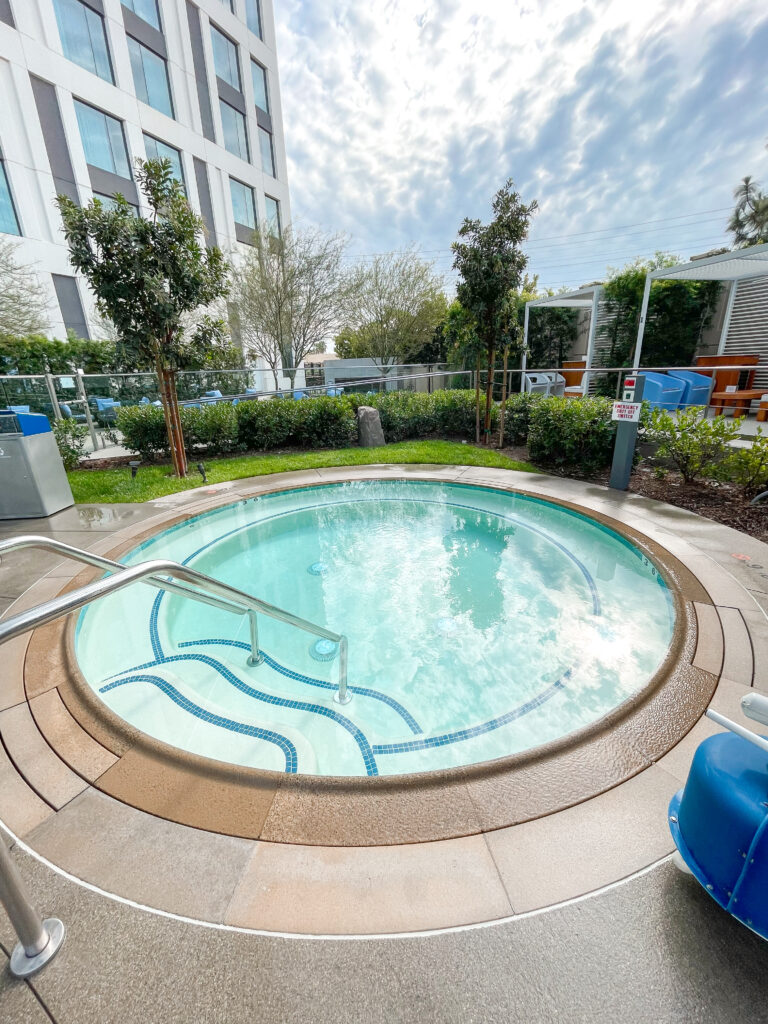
(749, 220)
(148, 275)
(23, 303)
(289, 294)
(397, 304)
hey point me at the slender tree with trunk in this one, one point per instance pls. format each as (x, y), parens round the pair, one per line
(399, 302)
(490, 263)
(23, 303)
(289, 295)
(149, 273)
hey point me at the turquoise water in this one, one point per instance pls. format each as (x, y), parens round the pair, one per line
(480, 623)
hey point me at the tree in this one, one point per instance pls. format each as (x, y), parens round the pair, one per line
(678, 313)
(749, 220)
(551, 331)
(490, 263)
(398, 304)
(289, 294)
(23, 303)
(148, 274)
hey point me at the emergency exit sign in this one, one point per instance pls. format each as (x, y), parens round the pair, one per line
(626, 412)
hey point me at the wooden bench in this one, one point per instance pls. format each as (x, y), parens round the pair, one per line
(734, 399)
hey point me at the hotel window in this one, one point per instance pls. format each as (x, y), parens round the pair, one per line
(146, 10)
(157, 150)
(9, 222)
(233, 126)
(253, 16)
(273, 216)
(83, 39)
(103, 140)
(229, 4)
(243, 204)
(260, 93)
(267, 153)
(225, 58)
(110, 203)
(150, 77)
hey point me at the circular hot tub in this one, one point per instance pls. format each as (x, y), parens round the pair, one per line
(480, 623)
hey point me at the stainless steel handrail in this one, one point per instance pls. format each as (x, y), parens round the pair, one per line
(220, 594)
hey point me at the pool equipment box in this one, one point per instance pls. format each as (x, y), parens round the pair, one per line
(33, 482)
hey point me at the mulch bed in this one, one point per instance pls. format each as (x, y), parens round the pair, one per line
(721, 502)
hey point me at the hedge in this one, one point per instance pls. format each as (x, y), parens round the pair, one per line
(323, 422)
(572, 433)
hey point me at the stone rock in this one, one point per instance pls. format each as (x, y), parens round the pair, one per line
(369, 427)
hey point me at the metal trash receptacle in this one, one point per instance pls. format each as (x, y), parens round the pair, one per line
(536, 383)
(33, 482)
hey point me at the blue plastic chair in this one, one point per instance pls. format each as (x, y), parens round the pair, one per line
(19, 408)
(251, 391)
(144, 401)
(212, 394)
(299, 394)
(334, 392)
(662, 391)
(698, 387)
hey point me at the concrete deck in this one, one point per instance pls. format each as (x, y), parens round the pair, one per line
(652, 949)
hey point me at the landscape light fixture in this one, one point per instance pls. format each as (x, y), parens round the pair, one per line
(134, 468)
(201, 471)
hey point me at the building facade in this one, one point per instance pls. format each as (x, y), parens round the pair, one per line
(89, 86)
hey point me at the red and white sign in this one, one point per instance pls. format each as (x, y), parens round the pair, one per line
(626, 412)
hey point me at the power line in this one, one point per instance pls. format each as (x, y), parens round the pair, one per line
(560, 238)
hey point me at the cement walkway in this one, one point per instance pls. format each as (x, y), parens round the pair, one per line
(652, 950)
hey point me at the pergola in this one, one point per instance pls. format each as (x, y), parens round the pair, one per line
(735, 266)
(583, 298)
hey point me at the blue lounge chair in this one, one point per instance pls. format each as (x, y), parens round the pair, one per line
(662, 391)
(719, 821)
(698, 387)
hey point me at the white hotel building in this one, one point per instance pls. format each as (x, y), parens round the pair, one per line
(87, 86)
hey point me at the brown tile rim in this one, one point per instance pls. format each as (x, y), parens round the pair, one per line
(114, 733)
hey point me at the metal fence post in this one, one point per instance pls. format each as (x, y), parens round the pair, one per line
(39, 940)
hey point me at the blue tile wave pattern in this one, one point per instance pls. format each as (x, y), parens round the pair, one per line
(357, 734)
(361, 691)
(291, 756)
(476, 730)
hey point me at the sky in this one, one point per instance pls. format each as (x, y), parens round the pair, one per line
(629, 121)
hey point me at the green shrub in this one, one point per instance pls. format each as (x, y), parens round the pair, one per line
(267, 423)
(212, 429)
(455, 414)
(70, 437)
(517, 417)
(695, 445)
(322, 422)
(747, 467)
(143, 430)
(572, 433)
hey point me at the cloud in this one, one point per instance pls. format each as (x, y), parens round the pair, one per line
(404, 116)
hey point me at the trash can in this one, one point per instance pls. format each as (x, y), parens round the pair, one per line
(537, 383)
(34, 482)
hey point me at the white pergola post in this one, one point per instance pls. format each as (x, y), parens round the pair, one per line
(591, 340)
(524, 360)
(641, 325)
(727, 317)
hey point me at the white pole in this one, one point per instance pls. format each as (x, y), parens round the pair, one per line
(524, 361)
(591, 339)
(641, 326)
(727, 318)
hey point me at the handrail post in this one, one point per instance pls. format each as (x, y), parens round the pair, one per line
(39, 940)
(342, 695)
(256, 657)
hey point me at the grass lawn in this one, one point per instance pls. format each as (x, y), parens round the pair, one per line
(116, 485)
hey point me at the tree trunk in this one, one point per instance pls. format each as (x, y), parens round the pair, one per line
(477, 401)
(503, 398)
(170, 400)
(489, 395)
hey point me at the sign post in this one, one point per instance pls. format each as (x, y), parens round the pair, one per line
(627, 414)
